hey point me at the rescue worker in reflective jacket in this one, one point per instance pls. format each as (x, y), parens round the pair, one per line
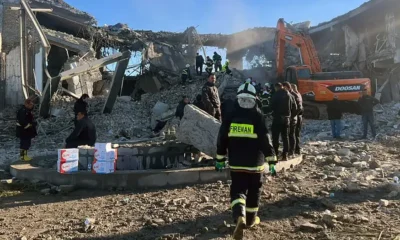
(265, 99)
(226, 68)
(210, 98)
(244, 136)
(282, 106)
(209, 65)
(25, 129)
(186, 74)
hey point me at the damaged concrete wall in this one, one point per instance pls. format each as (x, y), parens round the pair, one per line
(164, 56)
(14, 95)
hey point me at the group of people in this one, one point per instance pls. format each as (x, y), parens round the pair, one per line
(84, 132)
(366, 104)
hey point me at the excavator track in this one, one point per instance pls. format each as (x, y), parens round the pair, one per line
(313, 110)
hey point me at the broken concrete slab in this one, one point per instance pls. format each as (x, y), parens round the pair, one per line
(67, 41)
(199, 129)
(52, 85)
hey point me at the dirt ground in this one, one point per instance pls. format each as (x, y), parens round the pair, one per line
(202, 211)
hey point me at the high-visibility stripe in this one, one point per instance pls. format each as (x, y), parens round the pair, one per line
(271, 159)
(252, 210)
(258, 169)
(219, 157)
(243, 135)
(237, 201)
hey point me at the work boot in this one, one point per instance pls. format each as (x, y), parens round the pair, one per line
(254, 221)
(240, 226)
(21, 154)
(26, 157)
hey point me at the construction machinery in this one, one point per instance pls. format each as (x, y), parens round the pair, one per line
(316, 87)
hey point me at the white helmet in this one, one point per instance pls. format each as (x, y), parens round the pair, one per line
(246, 91)
(248, 80)
(267, 85)
(187, 65)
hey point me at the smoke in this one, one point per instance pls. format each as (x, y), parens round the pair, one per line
(231, 15)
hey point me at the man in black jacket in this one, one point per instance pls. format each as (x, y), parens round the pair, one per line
(293, 118)
(198, 102)
(199, 64)
(81, 105)
(297, 149)
(283, 107)
(25, 129)
(367, 104)
(181, 107)
(335, 116)
(244, 136)
(210, 98)
(83, 134)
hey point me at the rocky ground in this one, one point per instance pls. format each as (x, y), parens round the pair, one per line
(343, 190)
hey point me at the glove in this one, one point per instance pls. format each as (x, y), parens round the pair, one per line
(220, 163)
(272, 161)
(28, 126)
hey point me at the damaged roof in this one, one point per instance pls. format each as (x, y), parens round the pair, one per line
(361, 9)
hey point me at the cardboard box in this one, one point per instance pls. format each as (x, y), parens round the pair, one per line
(109, 155)
(66, 155)
(67, 167)
(103, 146)
(103, 167)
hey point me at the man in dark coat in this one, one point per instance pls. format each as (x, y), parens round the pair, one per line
(334, 111)
(367, 104)
(199, 64)
(181, 107)
(210, 98)
(198, 102)
(83, 134)
(81, 105)
(26, 129)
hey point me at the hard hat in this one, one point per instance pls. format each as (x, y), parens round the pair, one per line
(267, 84)
(246, 91)
(248, 80)
(187, 65)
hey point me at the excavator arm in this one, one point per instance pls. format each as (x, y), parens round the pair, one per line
(301, 41)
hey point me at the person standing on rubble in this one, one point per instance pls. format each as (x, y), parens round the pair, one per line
(243, 136)
(293, 118)
(367, 104)
(217, 61)
(186, 74)
(81, 105)
(25, 129)
(199, 64)
(282, 105)
(181, 107)
(210, 98)
(83, 134)
(335, 117)
(226, 68)
(300, 110)
(209, 66)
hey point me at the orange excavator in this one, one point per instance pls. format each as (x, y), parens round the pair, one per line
(316, 87)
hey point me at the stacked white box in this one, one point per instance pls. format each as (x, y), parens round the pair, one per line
(68, 160)
(104, 158)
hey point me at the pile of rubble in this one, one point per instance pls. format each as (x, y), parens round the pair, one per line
(129, 121)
